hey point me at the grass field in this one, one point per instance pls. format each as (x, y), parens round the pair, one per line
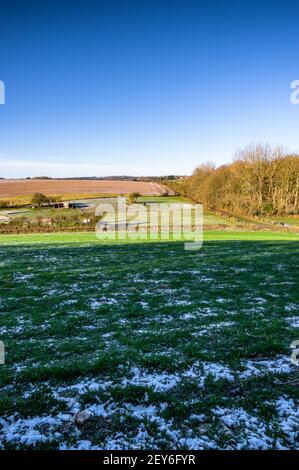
(89, 237)
(211, 219)
(32, 213)
(163, 348)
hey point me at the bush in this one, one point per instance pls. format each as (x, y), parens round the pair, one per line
(132, 197)
(39, 199)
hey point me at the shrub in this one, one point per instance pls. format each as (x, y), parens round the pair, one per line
(39, 199)
(132, 197)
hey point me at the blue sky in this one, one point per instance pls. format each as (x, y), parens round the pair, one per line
(143, 87)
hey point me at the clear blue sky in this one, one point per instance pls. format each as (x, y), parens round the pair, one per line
(145, 86)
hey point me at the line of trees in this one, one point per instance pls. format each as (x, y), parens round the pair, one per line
(262, 180)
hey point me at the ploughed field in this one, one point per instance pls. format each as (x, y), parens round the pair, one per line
(161, 347)
(14, 188)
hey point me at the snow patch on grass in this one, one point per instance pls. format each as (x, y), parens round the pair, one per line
(249, 431)
(31, 431)
(280, 365)
(293, 321)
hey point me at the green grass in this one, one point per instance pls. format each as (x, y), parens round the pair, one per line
(89, 237)
(167, 349)
(45, 212)
(210, 218)
(163, 199)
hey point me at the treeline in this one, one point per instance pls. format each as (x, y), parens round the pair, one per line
(262, 180)
(102, 178)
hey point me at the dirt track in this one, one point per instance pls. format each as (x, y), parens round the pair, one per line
(11, 188)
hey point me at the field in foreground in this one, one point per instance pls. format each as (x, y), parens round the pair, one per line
(163, 348)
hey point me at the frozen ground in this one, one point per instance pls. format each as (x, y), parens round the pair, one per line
(161, 348)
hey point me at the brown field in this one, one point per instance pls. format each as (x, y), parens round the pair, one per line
(17, 188)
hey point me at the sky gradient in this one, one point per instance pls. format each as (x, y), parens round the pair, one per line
(143, 87)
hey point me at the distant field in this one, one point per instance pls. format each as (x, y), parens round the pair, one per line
(17, 188)
(211, 220)
(163, 348)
